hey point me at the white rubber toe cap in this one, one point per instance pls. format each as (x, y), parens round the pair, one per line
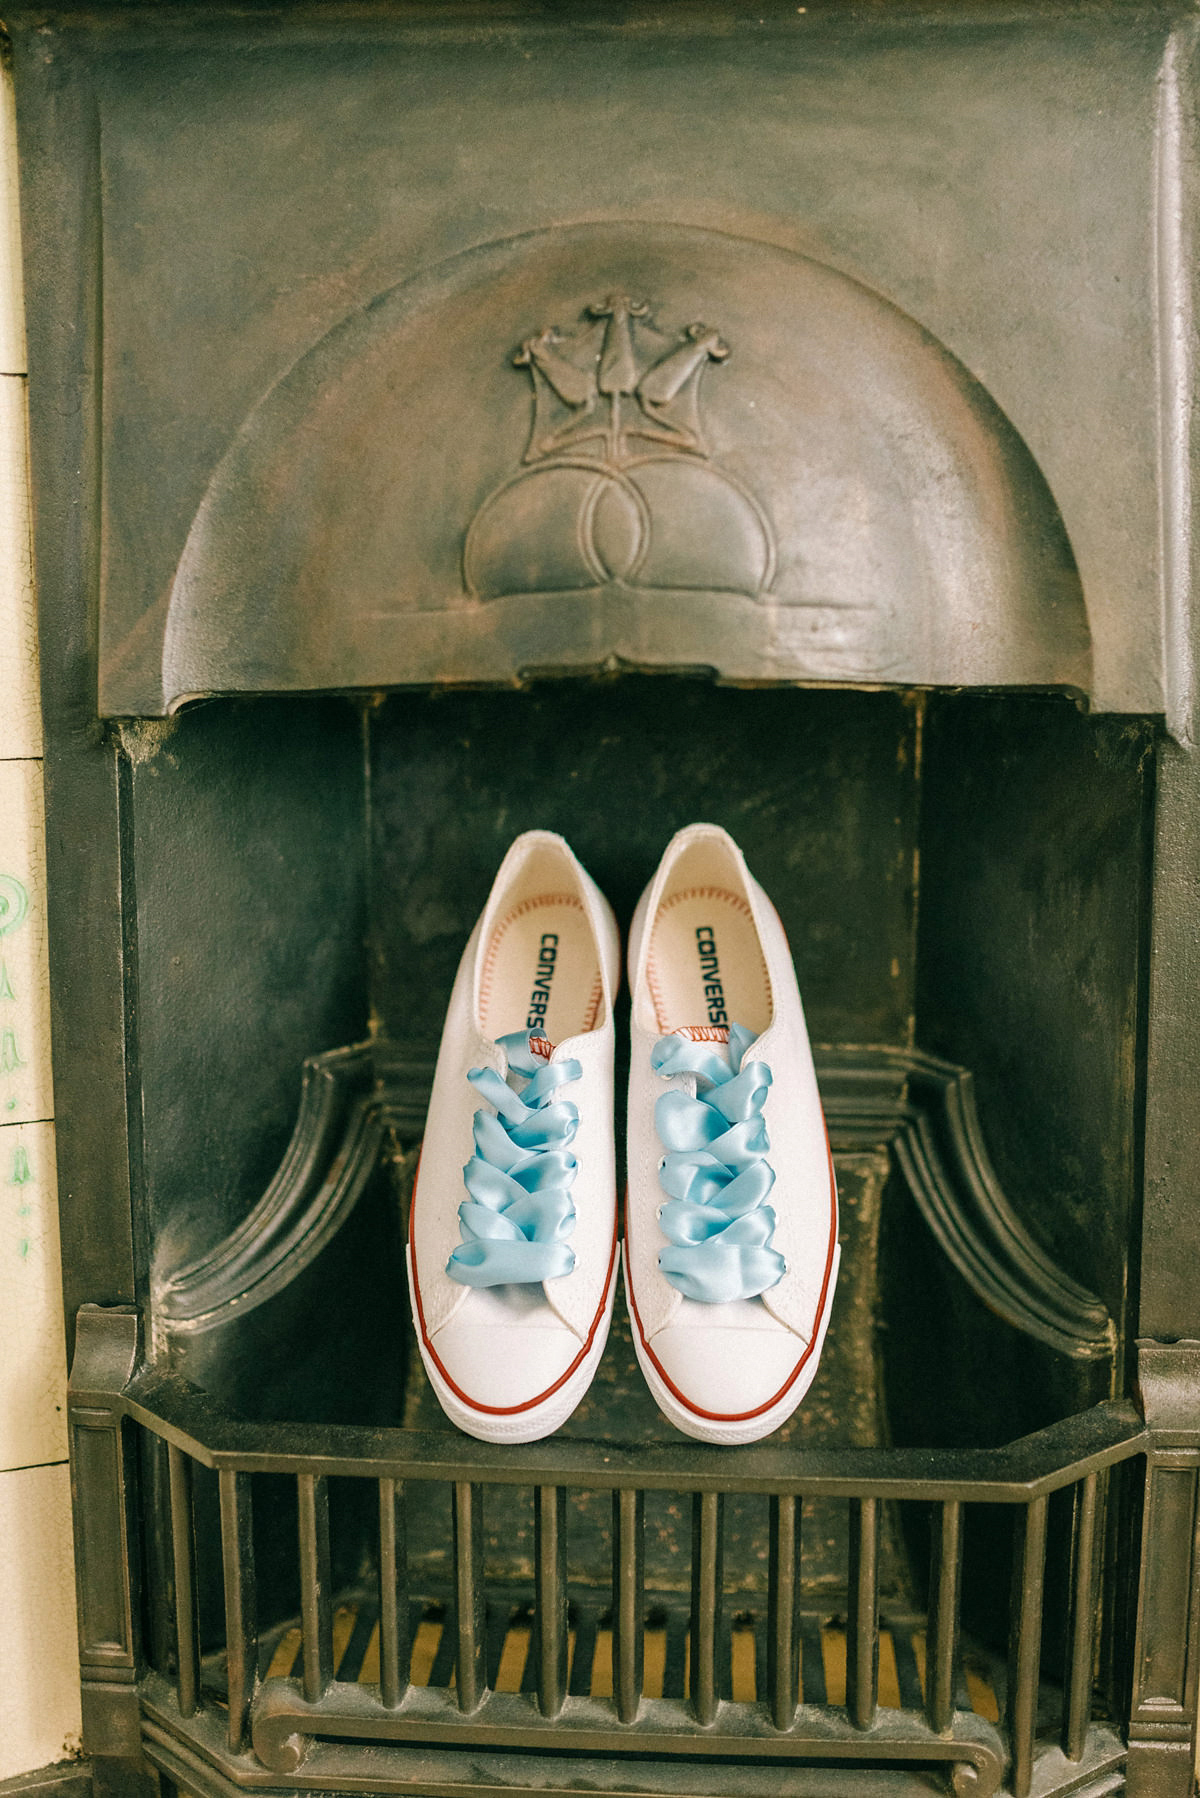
(500, 1363)
(727, 1373)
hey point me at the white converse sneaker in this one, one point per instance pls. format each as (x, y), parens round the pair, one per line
(512, 1231)
(731, 1225)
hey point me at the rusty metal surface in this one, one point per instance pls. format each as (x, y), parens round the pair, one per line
(941, 240)
(808, 490)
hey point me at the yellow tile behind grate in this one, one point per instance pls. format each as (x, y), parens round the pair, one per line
(918, 1643)
(833, 1653)
(602, 1664)
(983, 1698)
(654, 1661)
(288, 1647)
(284, 1657)
(287, 1659)
(368, 1673)
(889, 1678)
(745, 1682)
(425, 1647)
(513, 1657)
(833, 1645)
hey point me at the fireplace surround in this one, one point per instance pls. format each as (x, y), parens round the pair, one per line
(448, 420)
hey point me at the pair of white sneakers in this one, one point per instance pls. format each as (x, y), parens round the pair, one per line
(731, 1228)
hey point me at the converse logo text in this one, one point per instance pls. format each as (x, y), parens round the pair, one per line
(710, 973)
(539, 998)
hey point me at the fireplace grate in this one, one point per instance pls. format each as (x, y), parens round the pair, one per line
(558, 1670)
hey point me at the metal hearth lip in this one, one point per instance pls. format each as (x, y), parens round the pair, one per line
(1028, 1468)
(193, 1752)
(510, 1722)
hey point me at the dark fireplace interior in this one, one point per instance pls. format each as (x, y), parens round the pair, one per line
(963, 874)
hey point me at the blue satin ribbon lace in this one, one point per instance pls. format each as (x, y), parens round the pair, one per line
(715, 1174)
(519, 1213)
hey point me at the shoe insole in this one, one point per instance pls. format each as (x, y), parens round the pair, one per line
(541, 971)
(705, 965)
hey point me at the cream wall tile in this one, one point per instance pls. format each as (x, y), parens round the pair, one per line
(25, 1092)
(20, 712)
(12, 309)
(39, 1677)
(33, 1366)
(39, 1668)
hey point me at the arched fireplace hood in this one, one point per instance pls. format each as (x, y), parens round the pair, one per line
(631, 445)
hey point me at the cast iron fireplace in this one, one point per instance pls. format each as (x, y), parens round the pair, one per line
(449, 420)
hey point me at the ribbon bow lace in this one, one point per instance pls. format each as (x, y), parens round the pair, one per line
(715, 1173)
(519, 1212)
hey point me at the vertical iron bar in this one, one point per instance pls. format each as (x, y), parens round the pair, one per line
(1081, 1630)
(241, 1611)
(1025, 1640)
(707, 1582)
(394, 1645)
(470, 1614)
(629, 1526)
(183, 1553)
(945, 1573)
(862, 1636)
(550, 1606)
(159, 1622)
(316, 1609)
(783, 1606)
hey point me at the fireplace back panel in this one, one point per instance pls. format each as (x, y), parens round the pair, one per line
(819, 788)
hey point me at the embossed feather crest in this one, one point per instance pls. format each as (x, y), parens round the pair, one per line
(616, 489)
(617, 377)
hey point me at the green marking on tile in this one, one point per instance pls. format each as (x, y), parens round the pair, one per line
(14, 903)
(11, 1106)
(23, 1248)
(10, 1056)
(6, 991)
(21, 1168)
(24, 1210)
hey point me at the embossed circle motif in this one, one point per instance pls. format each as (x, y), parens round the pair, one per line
(660, 522)
(14, 903)
(618, 488)
(562, 527)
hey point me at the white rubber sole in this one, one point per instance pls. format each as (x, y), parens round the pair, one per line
(526, 1426)
(735, 1432)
